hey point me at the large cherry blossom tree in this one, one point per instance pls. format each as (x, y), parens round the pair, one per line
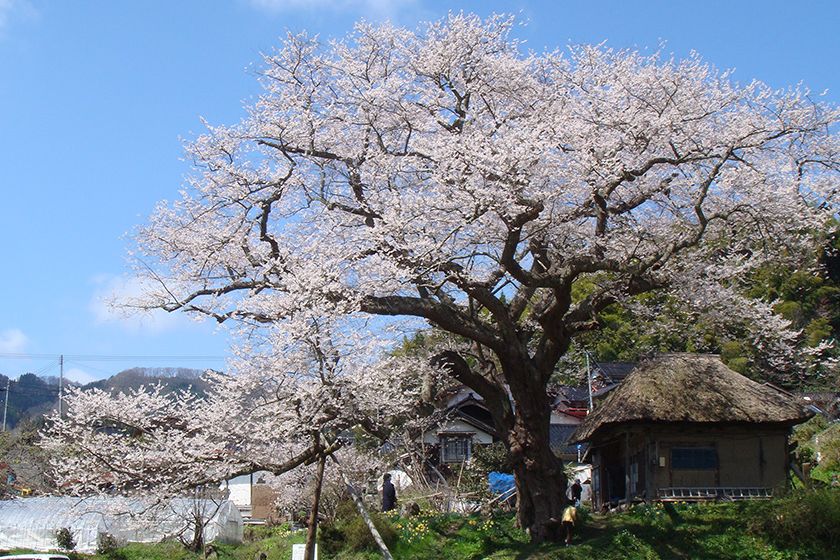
(448, 176)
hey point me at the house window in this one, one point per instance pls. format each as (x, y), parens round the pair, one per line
(454, 449)
(693, 458)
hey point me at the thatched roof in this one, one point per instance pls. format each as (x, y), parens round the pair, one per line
(696, 388)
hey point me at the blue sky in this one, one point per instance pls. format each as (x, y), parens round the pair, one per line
(95, 97)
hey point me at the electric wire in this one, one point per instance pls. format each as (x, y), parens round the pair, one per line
(109, 357)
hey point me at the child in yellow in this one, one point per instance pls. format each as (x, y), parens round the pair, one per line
(568, 520)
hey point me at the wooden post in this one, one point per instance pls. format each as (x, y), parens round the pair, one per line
(651, 466)
(627, 467)
(312, 529)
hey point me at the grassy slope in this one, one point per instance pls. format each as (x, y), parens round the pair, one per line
(715, 531)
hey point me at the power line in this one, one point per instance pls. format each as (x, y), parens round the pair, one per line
(108, 357)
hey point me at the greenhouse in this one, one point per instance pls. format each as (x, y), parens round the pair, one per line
(32, 523)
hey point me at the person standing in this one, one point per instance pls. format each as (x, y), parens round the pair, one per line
(577, 490)
(389, 493)
(568, 522)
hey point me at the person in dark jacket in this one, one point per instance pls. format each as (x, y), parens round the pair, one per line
(389, 493)
(577, 490)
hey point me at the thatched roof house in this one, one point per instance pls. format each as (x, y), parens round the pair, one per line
(688, 421)
(691, 388)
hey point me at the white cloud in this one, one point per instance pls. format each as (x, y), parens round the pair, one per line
(111, 301)
(79, 376)
(6, 9)
(13, 341)
(9, 9)
(378, 9)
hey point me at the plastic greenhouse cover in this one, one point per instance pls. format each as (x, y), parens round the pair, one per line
(32, 522)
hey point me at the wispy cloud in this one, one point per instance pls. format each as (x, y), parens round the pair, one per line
(79, 376)
(109, 305)
(376, 9)
(10, 9)
(13, 341)
(6, 9)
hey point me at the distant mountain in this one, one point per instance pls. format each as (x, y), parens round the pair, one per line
(172, 378)
(32, 396)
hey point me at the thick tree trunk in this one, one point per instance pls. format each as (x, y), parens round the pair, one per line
(522, 413)
(540, 479)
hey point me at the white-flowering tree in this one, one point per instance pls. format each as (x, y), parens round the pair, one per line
(448, 176)
(293, 405)
(271, 413)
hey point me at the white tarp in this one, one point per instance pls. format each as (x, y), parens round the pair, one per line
(32, 522)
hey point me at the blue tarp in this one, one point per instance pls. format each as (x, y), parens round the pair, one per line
(500, 482)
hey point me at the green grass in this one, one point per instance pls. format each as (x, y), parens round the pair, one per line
(706, 531)
(730, 531)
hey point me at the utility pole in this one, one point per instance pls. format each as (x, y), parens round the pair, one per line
(588, 379)
(60, 384)
(6, 406)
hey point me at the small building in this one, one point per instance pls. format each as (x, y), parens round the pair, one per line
(686, 427)
(252, 496)
(464, 422)
(563, 423)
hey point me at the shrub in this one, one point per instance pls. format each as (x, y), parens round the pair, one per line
(107, 545)
(485, 459)
(64, 539)
(358, 535)
(627, 546)
(806, 518)
(828, 444)
(349, 531)
(330, 538)
(261, 532)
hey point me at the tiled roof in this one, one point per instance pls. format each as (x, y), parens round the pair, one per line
(615, 371)
(559, 435)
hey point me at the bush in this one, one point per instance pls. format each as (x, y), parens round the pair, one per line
(358, 535)
(806, 518)
(330, 538)
(485, 459)
(64, 539)
(829, 448)
(261, 532)
(107, 545)
(349, 531)
(627, 546)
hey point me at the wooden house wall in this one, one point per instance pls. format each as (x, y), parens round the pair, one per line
(743, 460)
(638, 459)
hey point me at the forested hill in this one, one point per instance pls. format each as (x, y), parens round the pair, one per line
(174, 378)
(31, 396)
(808, 297)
